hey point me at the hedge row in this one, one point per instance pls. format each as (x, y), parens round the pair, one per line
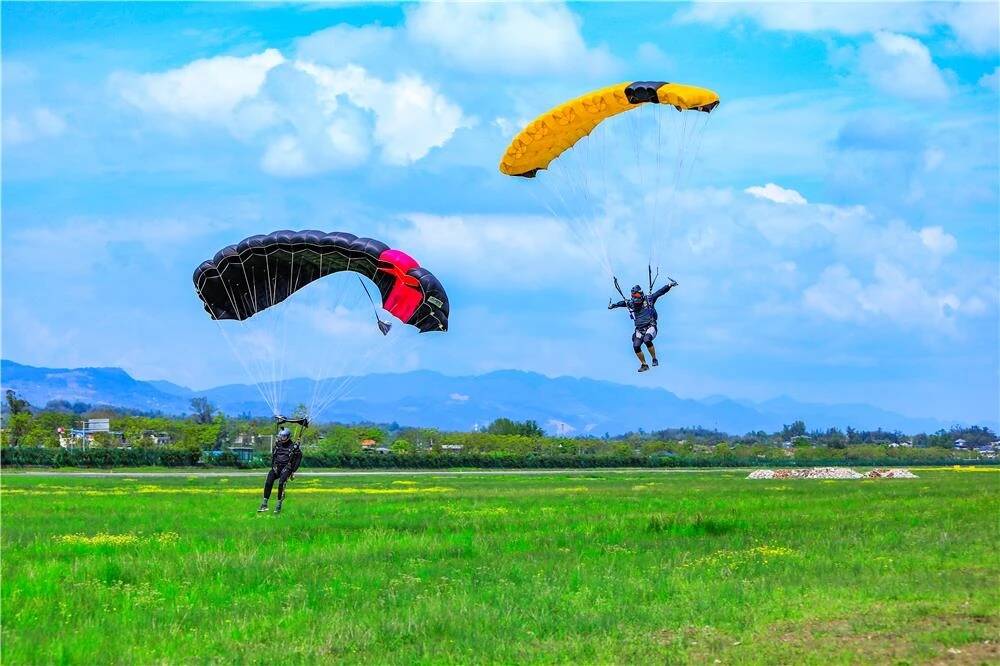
(17, 456)
(50, 457)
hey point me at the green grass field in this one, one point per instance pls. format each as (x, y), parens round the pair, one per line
(593, 567)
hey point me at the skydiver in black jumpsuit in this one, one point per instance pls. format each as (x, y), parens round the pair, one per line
(642, 309)
(285, 460)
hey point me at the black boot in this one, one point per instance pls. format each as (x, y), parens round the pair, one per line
(263, 507)
(277, 507)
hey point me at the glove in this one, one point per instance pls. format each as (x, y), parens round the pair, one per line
(611, 306)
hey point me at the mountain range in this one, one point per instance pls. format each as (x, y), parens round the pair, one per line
(563, 405)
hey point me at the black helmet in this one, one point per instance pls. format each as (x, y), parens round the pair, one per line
(637, 293)
(284, 435)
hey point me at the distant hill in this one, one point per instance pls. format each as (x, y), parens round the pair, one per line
(105, 386)
(563, 405)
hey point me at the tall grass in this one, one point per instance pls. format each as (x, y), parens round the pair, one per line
(596, 568)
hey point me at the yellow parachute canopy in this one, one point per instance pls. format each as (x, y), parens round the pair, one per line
(558, 129)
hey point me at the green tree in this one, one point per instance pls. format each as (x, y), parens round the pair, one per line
(16, 428)
(505, 426)
(203, 410)
(16, 405)
(797, 429)
(401, 446)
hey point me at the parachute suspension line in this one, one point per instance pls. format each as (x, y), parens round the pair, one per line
(688, 139)
(654, 243)
(619, 288)
(246, 369)
(236, 352)
(321, 378)
(383, 326)
(258, 362)
(350, 381)
(576, 225)
(286, 309)
(331, 374)
(336, 377)
(241, 319)
(347, 380)
(635, 125)
(679, 134)
(272, 285)
(569, 183)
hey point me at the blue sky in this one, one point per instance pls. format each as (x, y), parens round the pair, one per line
(837, 241)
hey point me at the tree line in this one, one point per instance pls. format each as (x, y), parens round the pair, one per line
(502, 442)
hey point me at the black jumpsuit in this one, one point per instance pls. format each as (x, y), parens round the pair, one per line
(285, 460)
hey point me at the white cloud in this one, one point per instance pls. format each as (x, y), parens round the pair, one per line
(345, 44)
(208, 90)
(848, 19)
(560, 428)
(458, 397)
(892, 295)
(513, 38)
(648, 54)
(497, 250)
(937, 241)
(411, 118)
(991, 81)
(306, 118)
(776, 193)
(902, 66)
(974, 25)
(933, 158)
(39, 123)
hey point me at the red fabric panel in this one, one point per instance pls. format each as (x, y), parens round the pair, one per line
(405, 296)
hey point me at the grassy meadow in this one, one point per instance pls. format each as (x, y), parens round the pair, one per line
(595, 567)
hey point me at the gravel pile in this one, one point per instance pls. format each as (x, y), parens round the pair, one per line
(762, 474)
(891, 474)
(814, 473)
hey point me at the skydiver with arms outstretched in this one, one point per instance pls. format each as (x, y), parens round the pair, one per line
(642, 310)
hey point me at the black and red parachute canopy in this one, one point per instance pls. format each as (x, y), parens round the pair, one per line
(261, 271)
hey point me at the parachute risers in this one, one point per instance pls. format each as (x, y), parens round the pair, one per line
(264, 270)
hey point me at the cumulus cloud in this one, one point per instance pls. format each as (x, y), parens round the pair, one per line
(208, 90)
(938, 241)
(776, 193)
(902, 65)
(37, 124)
(345, 44)
(411, 117)
(852, 19)
(306, 118)
(892, 295)
(974, 26)
(847, 232)
(991, 81)
(513, 38)
(497, 250)
(81, 244)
